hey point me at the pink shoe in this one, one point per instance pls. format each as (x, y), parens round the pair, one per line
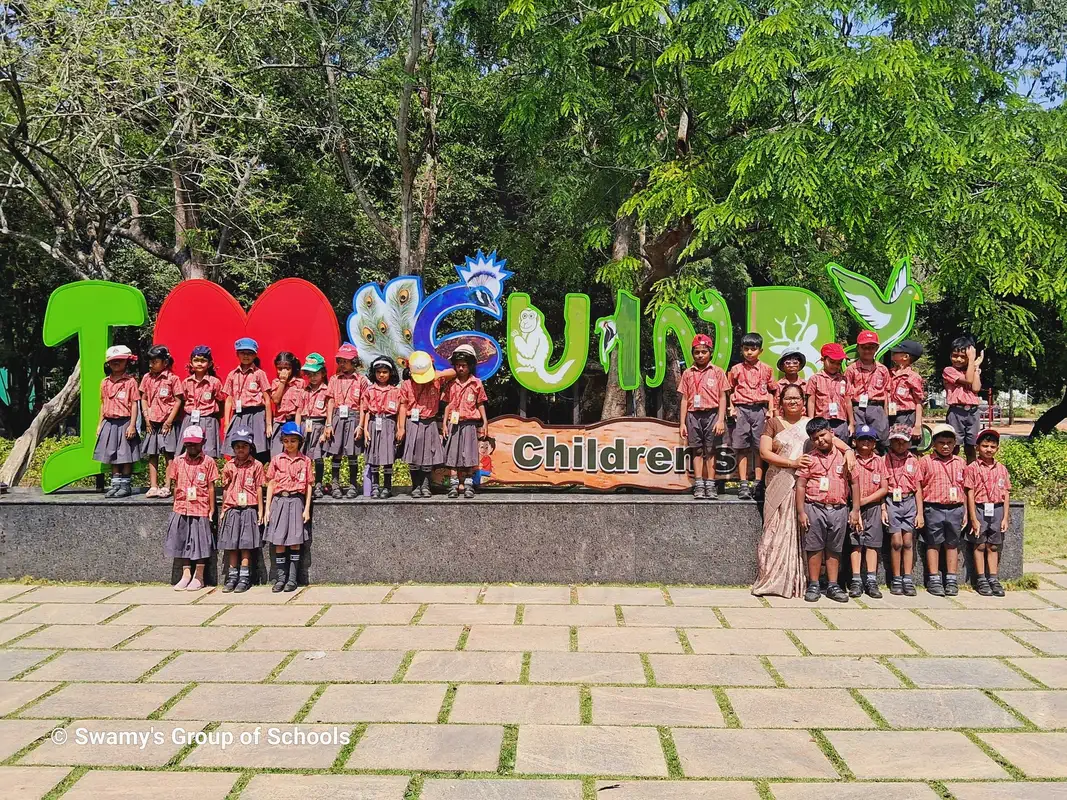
(183, 583)
(152, 493)
(194, 585)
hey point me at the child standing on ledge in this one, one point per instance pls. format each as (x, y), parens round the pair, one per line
(311, 416)
(345, 429)
(288, 508)
(189, 534)
(242, 512)
(161, 396)
(752, 389)
(247, 399)
(423, 449)
(988, 488)
(906, 391)
(941, 477)
(202, 390)
(828, 393)
(117, 442)
(963, 381)
(465, 422)
(703, 389)
(868, 384)
(285, 393)
(383, 424)
(866, 538)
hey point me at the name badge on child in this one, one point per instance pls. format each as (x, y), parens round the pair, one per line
(864, 400)
(824, 484)
(190, 493)
(876, 479)
(898, 495)
(841, 387)
(987, 510)
(953, 494)
(455, 418)
(696, 401)
(194, 417)
(416, 414)
(242, 498)
(237, 407)
(302, 477)
(342, 412)
(377, 423)
(392, 405)
(891, 409)
(309, 425)
(833, 409)
(164, 391)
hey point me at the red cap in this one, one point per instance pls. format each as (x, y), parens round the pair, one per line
(867, 337)
(834, 351)
(348, 351)
(701, 340)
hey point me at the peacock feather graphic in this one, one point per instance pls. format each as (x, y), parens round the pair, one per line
(382, 322)
(889, 313)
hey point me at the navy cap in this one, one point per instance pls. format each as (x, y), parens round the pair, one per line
(910, 347)
(866, 432)
(242, 436)
(201, 351)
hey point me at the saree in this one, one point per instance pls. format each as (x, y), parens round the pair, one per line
(781, 568)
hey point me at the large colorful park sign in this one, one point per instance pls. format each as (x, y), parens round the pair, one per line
(399, 317)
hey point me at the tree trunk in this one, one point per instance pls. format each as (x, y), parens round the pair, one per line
(614, 395)
(1048, 421)
(669, 390)
(639, 396)
(51, 414)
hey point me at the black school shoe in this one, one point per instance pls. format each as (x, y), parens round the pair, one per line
(855, 588)
(896, 585)
(952, 586)
(243, 585)
(909, 586)
(317, 493)
(711, 490)
(744, 492)
(279, 580)
(871, 587)
(934, 587)
(836, 593)
(994, 584)
(813, 593)
(982, 586)
(336, 492)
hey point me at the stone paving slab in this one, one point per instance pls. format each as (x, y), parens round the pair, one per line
(69, 594)
(1015, 790)
(188, 638)
(9, 591)
(14, 662)
(741, 642)
(586, 668)
(130, 700)
(623, 595)
(544, 595)
(750, 754)
(30, 783)
(320, 595)
(670, 617)
(298, 638)
(921, 600)
(620, 705)
(1043, 708)
(814, 672)
(406, 637)
(784, 618)
(677, 790)
(73, 637)
(1038, 755)
(147, 751)
(115, 784)
(980, 619)
(236, 703)
(514, 789)
(10, 610)
(1041, 567)
(336, 787)
(464, 667)
(162, 615)
(267, 616)
(15, 734)
(436, 594)
(1050, 671)
(95, 665)
(1055, 596)
(629, 640)
(460, 614)
(369, 614)
(939, 708)
(590, 750)
(797, 708)
(885, 619)
(1010, 600)
(853, 790)
(872, 643)
(957, 673)
(519, 638)
(12, 630)
(1055, 580)
(1053, 643)
(381, 702)
(219, 667)
(967, 643)
(515, 705)
(709, 670)
(157, 595)
(893, 755)
(1052, 618)
(569, 615)
(367, 665)
(286, 753)
(71, 613)
(16, 694)
(685, 596)
(474, 748)
(256, 596)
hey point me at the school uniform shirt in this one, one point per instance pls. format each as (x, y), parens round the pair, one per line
(902, 472)
(202, 395)
(119, 398)
(906, 390)
(241, 482)
(193, 480)
(347, 390)
(378, 399)
(290, 402)
(751, 384)
(830, 393)
(162, 392)
(246, 387)
(425, 398)
(783, 382)
(827, 478)
(939, 477)
(290, 473)
(870, 472)
(990, 482)
(958, 388)
(313, 401)
(465, 398)
(702, 388)
(872, 381)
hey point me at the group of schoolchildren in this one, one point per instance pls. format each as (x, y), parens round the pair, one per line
(881, 485)
(291, 425)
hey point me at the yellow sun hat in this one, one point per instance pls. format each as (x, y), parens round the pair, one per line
(421, 365)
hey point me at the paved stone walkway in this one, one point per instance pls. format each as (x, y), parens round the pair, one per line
(530, 693)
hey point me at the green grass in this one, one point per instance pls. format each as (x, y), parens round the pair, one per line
(1045, 533)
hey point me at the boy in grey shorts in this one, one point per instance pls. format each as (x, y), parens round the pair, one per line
(752, 389)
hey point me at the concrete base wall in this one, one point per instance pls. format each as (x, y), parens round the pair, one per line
(497, 537)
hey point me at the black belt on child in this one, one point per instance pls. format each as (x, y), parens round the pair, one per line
(855, 404)
(288, 494)
(964, 408)
(247, 409)
(750, 406)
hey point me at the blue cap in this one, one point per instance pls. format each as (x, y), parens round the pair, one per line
(242, 436)
(866, 432)
(201, 350)
(246, 344)
(292, 429)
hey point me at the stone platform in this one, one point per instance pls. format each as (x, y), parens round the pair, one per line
(498, 537)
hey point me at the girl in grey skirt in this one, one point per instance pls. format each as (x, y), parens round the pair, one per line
(465, 421)
(345, 426)
(383, 424)
(423, 449)
(240, 529)
(189, 535)
(202, 391)
(311, 416)
(161, 400)
(288, 510)
(247, 398)
(117, 442)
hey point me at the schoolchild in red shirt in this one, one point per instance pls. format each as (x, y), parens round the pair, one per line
(866, 538)
(286, 392)
(963, 381)
(941, 476)
(465, 422)
(828, 392)
(312, 415)
(247, 393)
(907, 393)
(868, 386)
(345, 426)
(189, 534)
(117, 442)
(988, 488)
(202, 391)
(288, 508)
(791, 364)
(161, 400)
(383, 424)
(423, 448)
(703, 389)
(903, 509)
(752, 389)
(240, 527)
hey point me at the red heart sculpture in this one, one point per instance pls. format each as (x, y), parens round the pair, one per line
(291, 314)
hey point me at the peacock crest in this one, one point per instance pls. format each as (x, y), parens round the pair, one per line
(484, 277)
(382, 322)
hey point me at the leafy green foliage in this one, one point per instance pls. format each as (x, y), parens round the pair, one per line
(1038, 469)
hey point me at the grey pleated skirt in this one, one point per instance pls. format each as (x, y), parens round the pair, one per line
(344, 441)
(276, 447)
(240, 529)
(313, 448)
(422, 444)
(381, 449)
(156, 442)
(189, 537)
(286, 525)
(212, 449)
(253, 420)
(461, 448)
(112, 446)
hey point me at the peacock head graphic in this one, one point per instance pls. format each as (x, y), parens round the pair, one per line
(484, 277)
